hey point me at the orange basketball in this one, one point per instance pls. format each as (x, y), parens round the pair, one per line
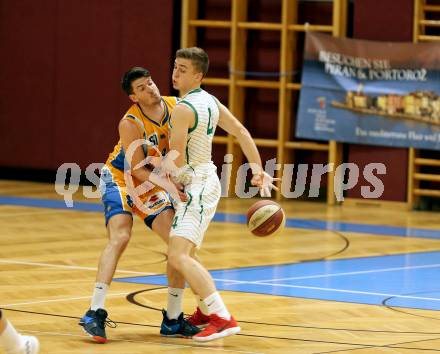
(265, 218)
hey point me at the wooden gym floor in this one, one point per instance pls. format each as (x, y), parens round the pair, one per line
(337, 280)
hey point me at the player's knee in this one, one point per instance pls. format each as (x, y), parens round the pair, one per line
(176, 259)
(120, 239)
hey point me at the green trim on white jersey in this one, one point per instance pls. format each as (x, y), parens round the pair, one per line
(195, 114)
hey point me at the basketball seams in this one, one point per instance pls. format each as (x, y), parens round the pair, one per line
(272, 225)
(265, 218)
(256, 219)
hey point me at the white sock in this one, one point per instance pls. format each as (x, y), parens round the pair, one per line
(215, 304)
(174, 308)
(10, 339)
(99, 294)
(202, 305)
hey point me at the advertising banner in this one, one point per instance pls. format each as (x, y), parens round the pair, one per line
(366, 92)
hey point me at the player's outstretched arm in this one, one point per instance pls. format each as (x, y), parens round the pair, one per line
(233, 126)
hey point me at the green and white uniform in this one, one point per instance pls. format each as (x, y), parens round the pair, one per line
(202, 185)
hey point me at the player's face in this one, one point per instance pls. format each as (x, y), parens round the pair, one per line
(185, 76)
(145, 91)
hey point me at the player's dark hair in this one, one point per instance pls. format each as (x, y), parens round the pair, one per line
(198, 57)
(131, 75)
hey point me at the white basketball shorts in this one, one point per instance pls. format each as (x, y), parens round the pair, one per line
(192, 217)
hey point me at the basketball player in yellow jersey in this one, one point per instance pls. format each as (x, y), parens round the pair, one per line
(146, 121)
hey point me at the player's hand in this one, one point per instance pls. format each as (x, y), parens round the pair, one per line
(167, 165)
(165, 183)
(181, 189)
(265, 183)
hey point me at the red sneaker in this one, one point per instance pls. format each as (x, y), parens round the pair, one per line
(198, 318)
(218, 328)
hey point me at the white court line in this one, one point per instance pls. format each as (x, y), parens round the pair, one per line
(350, 273)
(259, 282)
(330, 290)
(11, 261)
(176, 346)
(60, 300)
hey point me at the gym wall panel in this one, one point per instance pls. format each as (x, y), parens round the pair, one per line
(146, 39)
(87, 73)
(394, 180)
(27, 44)
(60, 79)
(383, 20)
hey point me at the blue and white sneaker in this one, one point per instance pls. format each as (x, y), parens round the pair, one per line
(177, 328)
(94, 322)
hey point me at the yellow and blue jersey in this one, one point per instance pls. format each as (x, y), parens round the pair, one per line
(113, 185)
(154, 132)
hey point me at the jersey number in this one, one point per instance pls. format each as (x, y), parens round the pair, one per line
(210, 129)
(153, 139)
(174, 222)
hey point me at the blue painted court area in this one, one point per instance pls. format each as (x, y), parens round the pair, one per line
(50, 204)
(297, 223)
(409, 280)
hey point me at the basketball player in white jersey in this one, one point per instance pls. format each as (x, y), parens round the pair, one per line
(192, 126)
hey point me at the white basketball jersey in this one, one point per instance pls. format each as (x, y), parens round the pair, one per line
(199, 141)
(192, 217)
